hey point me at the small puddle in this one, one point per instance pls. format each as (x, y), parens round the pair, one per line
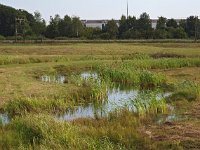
(55, 79)
(4, 119)
(87, 75)
(116, 99)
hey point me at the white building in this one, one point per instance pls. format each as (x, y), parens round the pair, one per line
(101, 23)
(97, 23)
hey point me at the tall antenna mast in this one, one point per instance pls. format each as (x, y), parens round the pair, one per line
(127, 9)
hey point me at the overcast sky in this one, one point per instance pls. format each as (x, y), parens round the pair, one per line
(107, 9)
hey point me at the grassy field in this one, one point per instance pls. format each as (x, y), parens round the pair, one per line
(32, 105)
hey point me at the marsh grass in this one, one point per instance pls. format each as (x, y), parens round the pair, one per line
(149, 103)
(44, 132)
(9, 59)
(126, 65)
(134, 77)
(23, 105)
(137, 56)
(86, 91)
(186, 90)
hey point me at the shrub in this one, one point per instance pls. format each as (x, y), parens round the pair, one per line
(2, 37)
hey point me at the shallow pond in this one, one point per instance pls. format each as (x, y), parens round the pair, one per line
(117, 99)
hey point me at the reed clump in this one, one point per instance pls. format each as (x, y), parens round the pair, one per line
(134, 77)
(150, 103)
(93, 89)
(43, 130)
(186, 90)
(22, 105)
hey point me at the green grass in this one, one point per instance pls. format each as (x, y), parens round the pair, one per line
(33, 102)
(126, 75)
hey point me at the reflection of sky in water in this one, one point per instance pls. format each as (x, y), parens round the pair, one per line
(117, 98)
(4, 119)
(56, 79)
(86, 75)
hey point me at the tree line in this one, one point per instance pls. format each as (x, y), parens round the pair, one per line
(72, 27)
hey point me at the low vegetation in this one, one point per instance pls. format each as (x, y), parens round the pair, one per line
(165, 78)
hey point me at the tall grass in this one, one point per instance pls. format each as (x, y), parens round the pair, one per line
(134, 77)
(164, 63)
(95, 89)
(34, 130)
(9, 59)
(149, 103)
(44, 132)
(186, 90)
(22, 105)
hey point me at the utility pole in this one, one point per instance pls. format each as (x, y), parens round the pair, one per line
(127, 10)
(19, 23)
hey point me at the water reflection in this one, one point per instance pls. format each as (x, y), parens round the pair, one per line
(55, 79)
(4, 119)
(117, 98)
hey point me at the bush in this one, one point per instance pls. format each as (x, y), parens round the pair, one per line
(2, 37)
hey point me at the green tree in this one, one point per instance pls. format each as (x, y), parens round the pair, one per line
(65, 27)
(144, 26)
(112, 29)
(92, 33)
(39, 26)
(192, 24)
(160, 34)
(77, 27)
(52, 28)
(172, 23)
(123, 26)
(161, 23)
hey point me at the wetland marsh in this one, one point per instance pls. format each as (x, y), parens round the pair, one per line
(100, 96)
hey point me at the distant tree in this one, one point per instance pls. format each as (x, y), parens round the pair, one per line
(123, 26)
(192, 23)
(7, 20)
(39, 26)
(160, 34)
(144, 26)
(77, 27)
(92, 33)
(179, 33)
(161, 23)
(65, 27)
(172, 23)
(52, 28)
(127, 26)
(112, 29)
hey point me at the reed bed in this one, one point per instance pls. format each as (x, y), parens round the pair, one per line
(134, 77)
(40, 131)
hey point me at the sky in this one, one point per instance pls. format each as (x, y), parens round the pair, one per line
(108, 9)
